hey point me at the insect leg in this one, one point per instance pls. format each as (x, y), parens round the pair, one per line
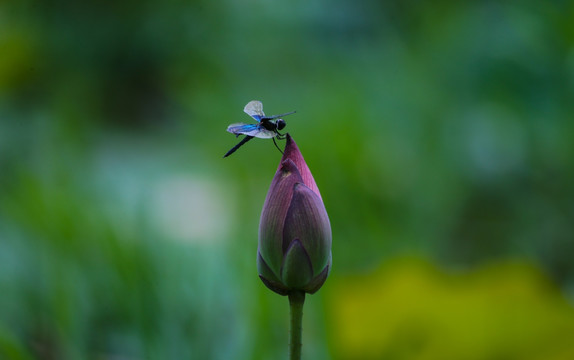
(277, 146)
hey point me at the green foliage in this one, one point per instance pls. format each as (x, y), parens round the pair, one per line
(441, 129)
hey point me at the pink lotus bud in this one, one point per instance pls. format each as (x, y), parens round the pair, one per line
(294, 251)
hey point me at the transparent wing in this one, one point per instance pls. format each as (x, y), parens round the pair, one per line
(254, 109)
(250, 130)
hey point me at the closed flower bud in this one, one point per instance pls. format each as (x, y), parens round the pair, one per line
(294, 252)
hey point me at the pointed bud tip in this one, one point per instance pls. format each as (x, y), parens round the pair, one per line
(293, 153)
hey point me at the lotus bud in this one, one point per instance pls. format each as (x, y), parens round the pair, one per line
(294, 252)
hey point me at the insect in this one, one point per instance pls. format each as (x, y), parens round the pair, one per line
(267, 127)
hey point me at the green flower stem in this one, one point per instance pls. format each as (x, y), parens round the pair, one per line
(296, 300)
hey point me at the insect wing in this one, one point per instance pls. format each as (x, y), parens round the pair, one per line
(241, 128)
(273, 117)
(250, 130)
(254, 109)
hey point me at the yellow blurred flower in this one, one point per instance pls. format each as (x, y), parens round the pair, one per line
(411, 310)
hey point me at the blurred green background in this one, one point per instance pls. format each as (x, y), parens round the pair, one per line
(441, 135)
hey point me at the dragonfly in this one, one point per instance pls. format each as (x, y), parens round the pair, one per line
(267, 127)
